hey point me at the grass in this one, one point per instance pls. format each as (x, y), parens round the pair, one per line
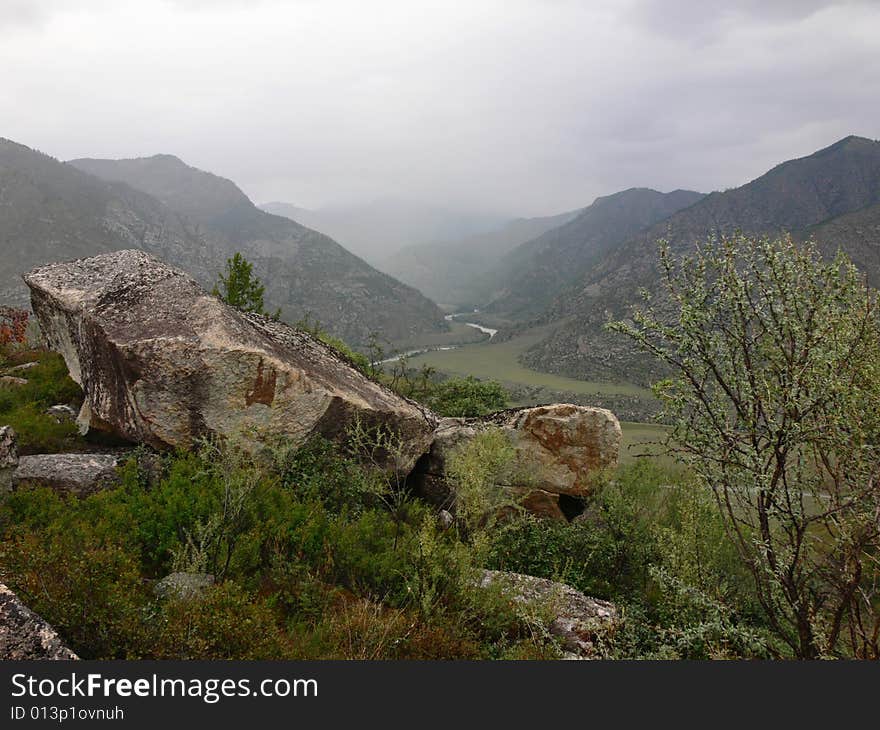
(641, 439)
(500, 361)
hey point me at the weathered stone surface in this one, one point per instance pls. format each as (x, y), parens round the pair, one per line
(79, 474)
(578, 620)
(161, 362)
(8, 457)
(184, 586)
(10, 381)
(542, 504)
(24, 635)
(559, 449)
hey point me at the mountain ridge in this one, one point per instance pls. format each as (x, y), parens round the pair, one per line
(793, 196)
(51, 211)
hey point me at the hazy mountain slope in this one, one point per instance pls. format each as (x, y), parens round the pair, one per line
(535, 272)
(377, 229)
(50, 211)
(857, 234)
(793, 196)
(453, 272)
(304, 271)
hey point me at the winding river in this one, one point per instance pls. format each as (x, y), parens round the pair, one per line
(449, 318)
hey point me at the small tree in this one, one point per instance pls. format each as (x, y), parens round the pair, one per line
(239, 288)
(774, 402)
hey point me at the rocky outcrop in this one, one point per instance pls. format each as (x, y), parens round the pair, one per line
(10, 381)
(559, 449)
(78, 474)
(8, 457)
(24, 635)
(162, 362)
(580, 622)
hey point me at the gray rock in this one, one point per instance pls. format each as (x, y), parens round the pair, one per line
(8, 457)
(23, 366)
(24, 635)
(62, 413)
(580, 622)
(559, 450)
(445, 519)
(79, 474)
(162, 362)
(10, 381)
(183, 586)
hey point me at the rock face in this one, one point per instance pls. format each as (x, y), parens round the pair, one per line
(578, 620)
(24, 635)
(10, 381)
(559, 447)
(161, 362)
(8, 457)
(79, 474)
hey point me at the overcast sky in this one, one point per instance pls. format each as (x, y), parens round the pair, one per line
(518, 106)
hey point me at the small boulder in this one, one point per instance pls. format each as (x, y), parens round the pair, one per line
(580, 622)
(559, 450)
(8, 457)
(24, 635)
(23, 366)
(10, 381)
(445, 519)
(62, 413)
(183, 586)
(79, 474)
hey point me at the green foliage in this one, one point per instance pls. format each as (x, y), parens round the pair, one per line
(774, 403)
(239, 288)
(465, 397)
(23, 406)
(476, 469)
(657, 547)
(312, 557)
(314, 328)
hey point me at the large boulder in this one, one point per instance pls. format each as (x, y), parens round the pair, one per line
(162, 362)
(24, 635)
(580, 623)
(78, 474)
(559, 449)
(8, 457)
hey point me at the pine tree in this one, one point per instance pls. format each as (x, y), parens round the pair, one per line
(239, 287)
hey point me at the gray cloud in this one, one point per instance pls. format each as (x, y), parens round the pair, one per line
(522, 106)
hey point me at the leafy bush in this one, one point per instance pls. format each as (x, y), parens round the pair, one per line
(467, 397)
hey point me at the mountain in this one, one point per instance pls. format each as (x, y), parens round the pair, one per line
(376, 229)
(537, 270)
(305, 272)
(50, 211)
(857, 234)
(829, 187)
(454, 273)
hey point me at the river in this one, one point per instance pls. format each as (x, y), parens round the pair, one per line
(449, 318)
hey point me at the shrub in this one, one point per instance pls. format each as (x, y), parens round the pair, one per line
(467, 397)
